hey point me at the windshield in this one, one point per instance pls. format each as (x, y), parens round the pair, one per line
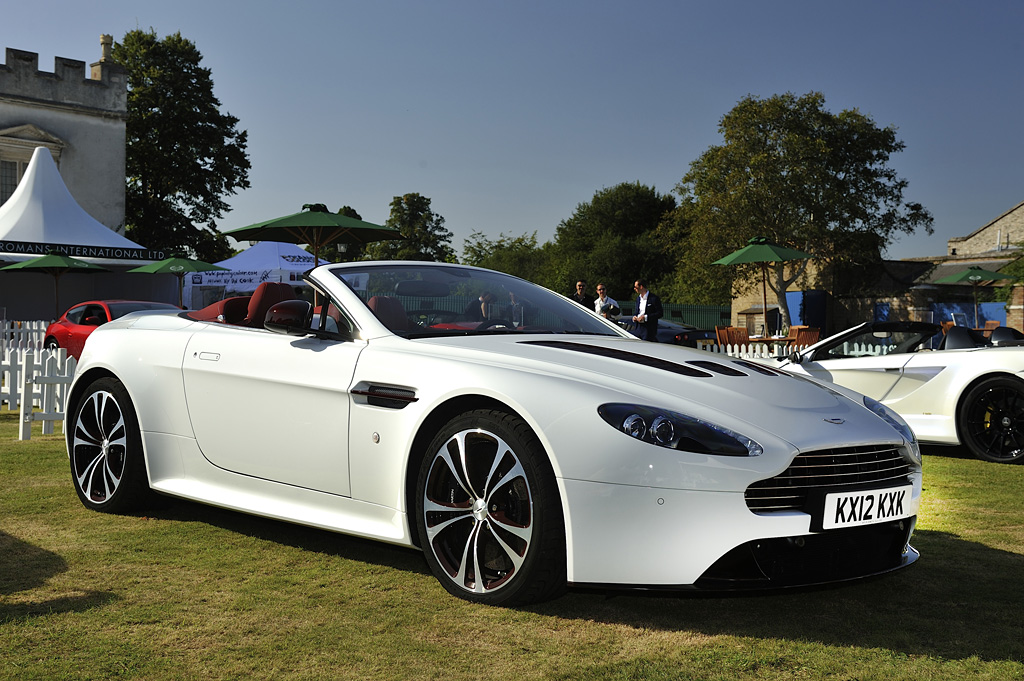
(881, 341)
(419, 301)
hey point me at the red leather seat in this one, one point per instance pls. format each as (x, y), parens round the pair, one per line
(267, 294)
(227, 311)
(390, 312)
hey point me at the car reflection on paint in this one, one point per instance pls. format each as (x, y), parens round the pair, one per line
(675, 333)
(74, 326)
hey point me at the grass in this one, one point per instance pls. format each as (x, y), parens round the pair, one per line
(190, 592)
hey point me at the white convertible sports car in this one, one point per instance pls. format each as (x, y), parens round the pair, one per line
(957, 388)
(522, 442)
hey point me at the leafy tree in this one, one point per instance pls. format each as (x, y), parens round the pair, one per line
(519, 256)
(611, 239)
(803, 177)
(426, 237)
(693, 280)
(183, 154)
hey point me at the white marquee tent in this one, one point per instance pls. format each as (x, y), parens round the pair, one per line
(42, 217)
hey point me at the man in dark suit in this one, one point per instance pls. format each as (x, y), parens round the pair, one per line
(648, 312)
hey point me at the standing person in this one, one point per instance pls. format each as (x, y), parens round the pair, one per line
(581, 296)
(648, 312)
(605, 305)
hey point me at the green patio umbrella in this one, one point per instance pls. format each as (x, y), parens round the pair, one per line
(178, 267)
(762, 251)
(316, 226)
(55, 265)
(974, 275)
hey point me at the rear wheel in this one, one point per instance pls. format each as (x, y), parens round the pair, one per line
(51, 343)
(107, 464)
(488, 511)
(991, 420)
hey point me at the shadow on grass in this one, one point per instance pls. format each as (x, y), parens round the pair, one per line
(24, 567)
(948, 451)
(961, 599)
(296, 536)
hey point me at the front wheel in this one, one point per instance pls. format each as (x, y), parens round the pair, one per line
(991, 420)
(488, 512)
(107, 464)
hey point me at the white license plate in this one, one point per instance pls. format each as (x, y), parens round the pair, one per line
(850, 509)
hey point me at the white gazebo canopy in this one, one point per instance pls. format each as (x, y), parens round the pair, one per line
(42, 217)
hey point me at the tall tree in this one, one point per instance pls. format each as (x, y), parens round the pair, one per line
(519, 256)
(610, 238)
(183, 154)
(426, 237)
(804, 177)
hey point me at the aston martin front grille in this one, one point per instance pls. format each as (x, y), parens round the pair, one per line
(825, 471)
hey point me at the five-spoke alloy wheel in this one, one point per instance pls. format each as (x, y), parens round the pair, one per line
(991, 420)
(107, 463)
(488, 511)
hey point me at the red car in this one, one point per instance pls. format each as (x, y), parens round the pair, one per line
(75, 325)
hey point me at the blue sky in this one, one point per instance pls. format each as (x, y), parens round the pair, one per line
(507, 115)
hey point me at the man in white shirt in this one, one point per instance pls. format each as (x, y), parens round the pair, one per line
(605, 305)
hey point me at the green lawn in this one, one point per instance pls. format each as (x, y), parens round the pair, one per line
(191, 592)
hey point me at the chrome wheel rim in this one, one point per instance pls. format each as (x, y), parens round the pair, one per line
(478, 511)
(99, 447)
(995, 423)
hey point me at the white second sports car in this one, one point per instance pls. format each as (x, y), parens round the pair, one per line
(957, 388)
(520, 441)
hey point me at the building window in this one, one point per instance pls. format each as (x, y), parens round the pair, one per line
(10, 173)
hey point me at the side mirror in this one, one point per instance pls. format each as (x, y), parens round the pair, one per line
(291, 317)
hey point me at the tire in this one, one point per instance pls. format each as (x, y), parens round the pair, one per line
(489, 517)
(108, 467)
(991, 420)
(51, 344)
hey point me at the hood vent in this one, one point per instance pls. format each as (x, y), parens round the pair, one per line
(622, 355)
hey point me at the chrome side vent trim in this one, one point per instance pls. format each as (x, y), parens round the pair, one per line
(386, 396)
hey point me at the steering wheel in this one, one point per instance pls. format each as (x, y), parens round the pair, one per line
(490, 323)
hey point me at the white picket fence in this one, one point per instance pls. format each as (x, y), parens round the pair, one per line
(22, 335)
(35, 382)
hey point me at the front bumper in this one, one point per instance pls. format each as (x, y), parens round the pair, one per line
(665, 539)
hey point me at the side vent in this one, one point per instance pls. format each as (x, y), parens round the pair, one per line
(385, 396)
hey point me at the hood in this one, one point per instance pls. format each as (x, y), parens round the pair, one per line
(701, 384)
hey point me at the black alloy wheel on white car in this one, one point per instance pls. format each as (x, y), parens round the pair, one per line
(991, 420)
(107, 463)
(488, 512)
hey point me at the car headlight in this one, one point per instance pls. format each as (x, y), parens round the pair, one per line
(897, 422)
(677, 431)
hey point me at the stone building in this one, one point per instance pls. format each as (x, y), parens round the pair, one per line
(1001, 236)
(78, 115)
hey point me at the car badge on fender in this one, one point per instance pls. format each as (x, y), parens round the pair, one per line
(836, 421)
